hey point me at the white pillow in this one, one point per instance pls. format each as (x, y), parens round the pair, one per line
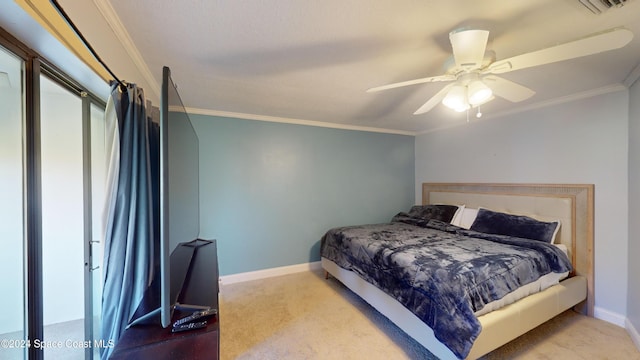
(457, 217)
(555, 233)
(467, 217)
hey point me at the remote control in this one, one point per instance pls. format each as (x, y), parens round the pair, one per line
(195, 316)
(189, 326)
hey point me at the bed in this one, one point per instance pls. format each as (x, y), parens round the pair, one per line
(569, 204)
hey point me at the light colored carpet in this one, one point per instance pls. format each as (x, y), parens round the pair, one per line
(304, 316)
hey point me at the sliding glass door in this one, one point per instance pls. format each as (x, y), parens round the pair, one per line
(71, 177)
(62, 220)
(73, 169)
(52, 176)
(12, 210)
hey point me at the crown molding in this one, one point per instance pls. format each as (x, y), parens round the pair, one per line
(110, 15)
(531, 107)
(283, 120)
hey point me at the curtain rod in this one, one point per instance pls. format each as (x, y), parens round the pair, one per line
(84, 40)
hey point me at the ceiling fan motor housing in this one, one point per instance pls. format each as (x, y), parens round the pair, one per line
(450, 67)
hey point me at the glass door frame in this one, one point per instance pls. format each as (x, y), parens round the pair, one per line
(34, 66)
(88, 227)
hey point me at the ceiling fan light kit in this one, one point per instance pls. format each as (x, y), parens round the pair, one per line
(478, 92)
(472, 68)
(463, 97)
(456, 98)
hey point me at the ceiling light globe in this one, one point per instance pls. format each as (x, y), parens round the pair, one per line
(478, 92)
(456, 98)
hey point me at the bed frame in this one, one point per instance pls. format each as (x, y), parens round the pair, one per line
(572, 204)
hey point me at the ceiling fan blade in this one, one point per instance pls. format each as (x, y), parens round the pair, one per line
(593, 44)
(468, 47)
(507, 89)
(413, 82)
(435, 100)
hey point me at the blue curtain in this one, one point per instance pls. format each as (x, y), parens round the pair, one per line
(130, 218)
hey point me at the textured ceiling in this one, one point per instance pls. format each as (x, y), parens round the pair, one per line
(292, 60)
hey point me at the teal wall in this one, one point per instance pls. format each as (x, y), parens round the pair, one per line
(269, 191)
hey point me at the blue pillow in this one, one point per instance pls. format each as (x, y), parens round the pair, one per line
(443, 213)
(420, 215)
(493, 222)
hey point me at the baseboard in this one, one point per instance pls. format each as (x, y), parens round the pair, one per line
(633, 333)
(267, 273)
(609, 316)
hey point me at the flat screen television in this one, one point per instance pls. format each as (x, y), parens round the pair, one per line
(179, 209)
(179, 191)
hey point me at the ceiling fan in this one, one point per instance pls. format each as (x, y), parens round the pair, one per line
(471, 69)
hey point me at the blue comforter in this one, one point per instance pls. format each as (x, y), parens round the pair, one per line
(440, 272)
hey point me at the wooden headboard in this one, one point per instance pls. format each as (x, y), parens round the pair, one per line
(572, 204)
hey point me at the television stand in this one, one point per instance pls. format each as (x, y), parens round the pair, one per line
(152, 341)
